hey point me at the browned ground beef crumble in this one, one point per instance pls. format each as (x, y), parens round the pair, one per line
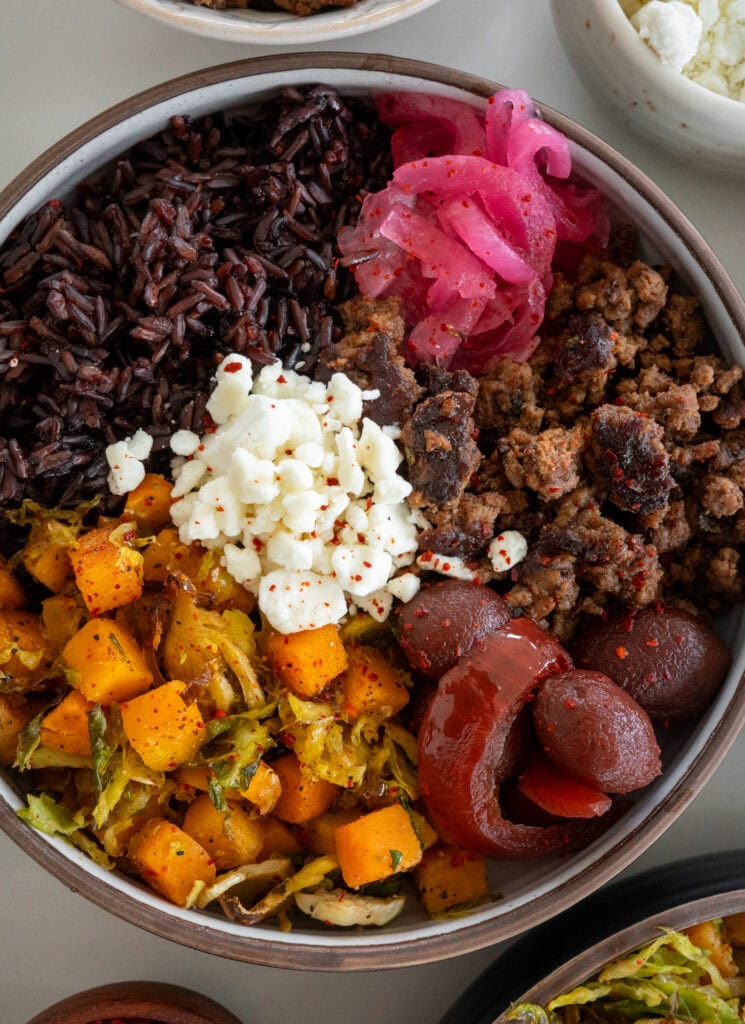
(618, 451)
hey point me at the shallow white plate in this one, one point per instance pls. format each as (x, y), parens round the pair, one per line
(278, 28)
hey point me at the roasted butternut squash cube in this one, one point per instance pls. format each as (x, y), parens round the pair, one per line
(47, 554)
(371, 685)
(105, 663)
(167, 554)
(320, 833)
(302, 798)
(264, 789)
(12, 596)
(307, 661)
(107, 574)
(163, 729)
(25, 658)
(448, 877)
(278, 839)
(377, 845)
(61, 618)
(169, 860)
(149, 505)
(66, 726)
(15, 714)
(232, 838)
(708, 936)
(193, 776)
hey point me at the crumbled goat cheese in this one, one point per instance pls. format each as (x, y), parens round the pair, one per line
(507, 549)
(125, 459)
(446, 565)
(300, 492)
(715, 59)
(671, 29)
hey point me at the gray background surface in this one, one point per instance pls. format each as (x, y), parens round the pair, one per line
(62, 61)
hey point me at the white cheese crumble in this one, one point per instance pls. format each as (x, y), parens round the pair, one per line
(507, 549)
(125, 459)
(301, 493)
(671, 29)
(446, 565)
(705, 39)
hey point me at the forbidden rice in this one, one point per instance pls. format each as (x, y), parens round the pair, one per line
(215, 236)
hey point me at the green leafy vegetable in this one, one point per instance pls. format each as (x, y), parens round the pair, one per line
(396, 858)
(101, 751)
(28, 740)
(53, 819)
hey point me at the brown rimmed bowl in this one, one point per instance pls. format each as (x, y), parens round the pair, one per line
(138, 1002)
(613, 923)
(532, 891)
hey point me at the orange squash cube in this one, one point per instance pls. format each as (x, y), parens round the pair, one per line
(448, 877)
(15, 714)
(12, 596)
(169, 860)
(108, 575)
(66, 726)
(105, 663)
(377, 845)
(264, 789)
(24, 654)
(232, 838)
(47, 554)
(307, 661)
(320, 833)
(61, 617)
(167, 554)
(302, 798)
(149, 504)
(278, 839)
(163, 729)
(371, 685)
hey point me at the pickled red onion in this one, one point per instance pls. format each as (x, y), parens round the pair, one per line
(466, 232)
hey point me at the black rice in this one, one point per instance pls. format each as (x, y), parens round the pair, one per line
(214, 236)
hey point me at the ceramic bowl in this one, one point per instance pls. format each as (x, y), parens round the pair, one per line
(662, 105)
(611, 924)
(141, 1002)
(278, 27)
(532, 891)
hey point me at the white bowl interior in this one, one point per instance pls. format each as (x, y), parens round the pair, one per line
(519, 883)
(278, 27)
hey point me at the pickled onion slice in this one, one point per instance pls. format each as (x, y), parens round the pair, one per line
(466, 232)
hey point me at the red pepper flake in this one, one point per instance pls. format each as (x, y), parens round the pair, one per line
(331, 481)
(232, 367)
(281, 379)
(650, 643)
(621, 652)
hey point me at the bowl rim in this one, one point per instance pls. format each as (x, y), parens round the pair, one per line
(270, 950)
(611, 924)
(321, 27)
(686, 91)
(134, 1001)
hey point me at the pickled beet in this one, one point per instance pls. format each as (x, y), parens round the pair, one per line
(595, 732)
(671, 662)
(445, 620)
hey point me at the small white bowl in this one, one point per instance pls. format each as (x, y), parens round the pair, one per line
(277, 28)
(661, 104)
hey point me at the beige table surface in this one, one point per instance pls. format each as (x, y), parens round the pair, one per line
(61, 61)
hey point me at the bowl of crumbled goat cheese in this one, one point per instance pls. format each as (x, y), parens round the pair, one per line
(674, 70)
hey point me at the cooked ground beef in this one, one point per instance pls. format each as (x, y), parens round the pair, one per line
(301, 7)
(369, 354)
(618, 450)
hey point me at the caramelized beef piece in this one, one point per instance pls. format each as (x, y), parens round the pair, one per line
(384, 315)
(584, 348)
(631, 459)
(466, 529)
(435, 380)
(373, 362)
(440, 448)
